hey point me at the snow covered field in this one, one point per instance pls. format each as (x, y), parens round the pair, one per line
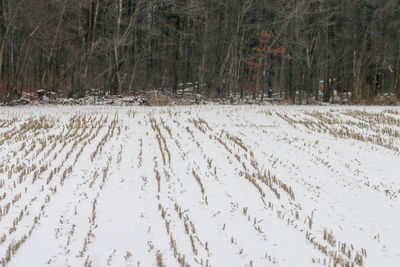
(200, 186)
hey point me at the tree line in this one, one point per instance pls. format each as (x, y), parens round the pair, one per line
(215, 47)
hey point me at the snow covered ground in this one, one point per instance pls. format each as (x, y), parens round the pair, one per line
(199, 186)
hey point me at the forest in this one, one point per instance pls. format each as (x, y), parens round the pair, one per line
(217, 48)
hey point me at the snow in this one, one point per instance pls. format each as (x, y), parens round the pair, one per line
(199, 186)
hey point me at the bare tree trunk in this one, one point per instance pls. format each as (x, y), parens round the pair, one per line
(116, 46)
(93, 39)
(3, 42)
(55, 40)
(282, 84)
